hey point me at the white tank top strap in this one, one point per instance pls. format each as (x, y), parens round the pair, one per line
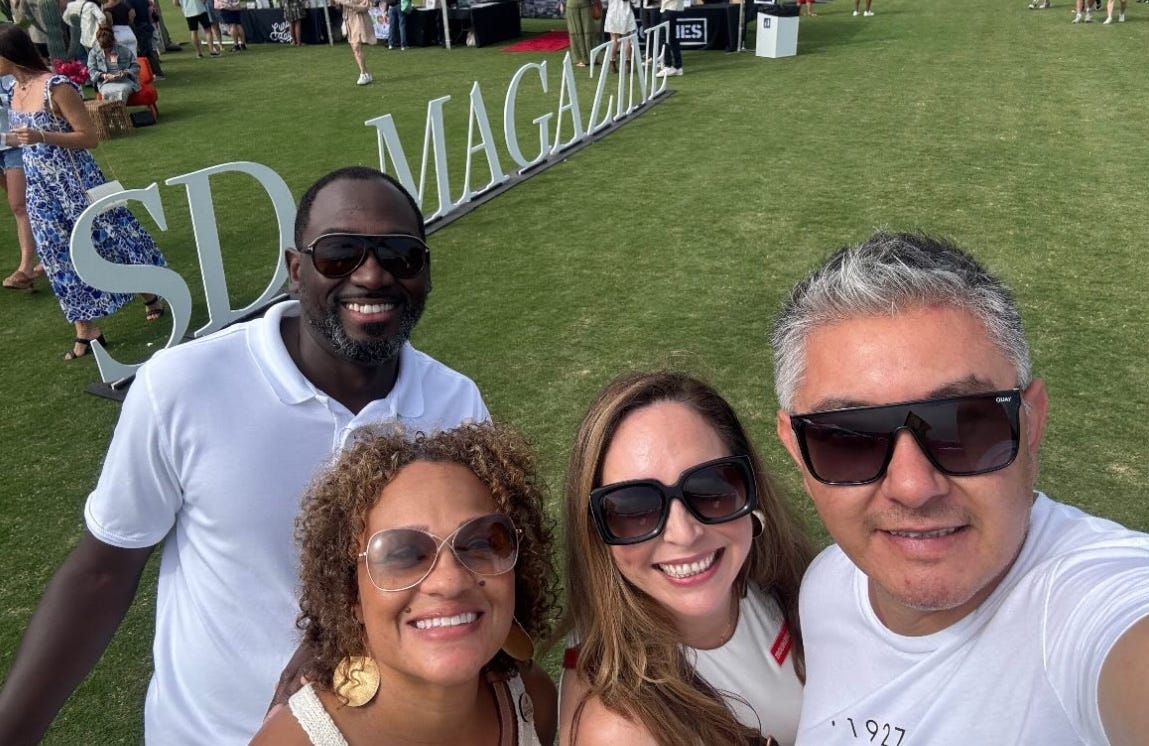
(516, 710)
(314, 718)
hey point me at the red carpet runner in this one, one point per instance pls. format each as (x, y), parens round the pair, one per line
(551, 41)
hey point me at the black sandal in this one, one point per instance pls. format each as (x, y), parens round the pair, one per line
(85, 345)
(154, 308)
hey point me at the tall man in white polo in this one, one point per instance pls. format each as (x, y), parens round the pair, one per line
(216, 442)
(958, 605)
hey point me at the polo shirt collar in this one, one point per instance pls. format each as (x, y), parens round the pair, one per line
(406, 400)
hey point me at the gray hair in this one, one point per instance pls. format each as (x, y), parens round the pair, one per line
(886, 275)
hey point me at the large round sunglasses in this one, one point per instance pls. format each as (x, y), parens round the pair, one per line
(402, 558)
(636, 511)
(961, 436)
(337, 255)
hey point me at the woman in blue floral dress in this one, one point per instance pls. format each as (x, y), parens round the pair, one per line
(49, 120)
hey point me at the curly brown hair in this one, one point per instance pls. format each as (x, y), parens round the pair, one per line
(334, 516)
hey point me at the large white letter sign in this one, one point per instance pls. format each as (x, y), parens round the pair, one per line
(219, 310)
(433, 136)
(128, 278)
(568, 90)
(593, 126)
(510, 131)
(654, 41)
(634, 71)
(478, 116)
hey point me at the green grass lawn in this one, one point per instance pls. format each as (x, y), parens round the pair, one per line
(670, 242)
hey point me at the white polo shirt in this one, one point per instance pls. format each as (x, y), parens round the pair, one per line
(216, 442)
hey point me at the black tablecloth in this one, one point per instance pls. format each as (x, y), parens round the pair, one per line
(266, 25)
(491, 23)
(712, 26)
(495, 22)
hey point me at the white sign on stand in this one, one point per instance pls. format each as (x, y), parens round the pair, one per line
(777, 36)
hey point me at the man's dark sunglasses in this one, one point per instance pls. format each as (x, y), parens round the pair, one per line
(337, 255)
(713, 492)
(961, 436)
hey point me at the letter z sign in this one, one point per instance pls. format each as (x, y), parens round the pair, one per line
(691, 32)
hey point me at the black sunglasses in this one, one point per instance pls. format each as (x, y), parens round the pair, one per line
(636, 511)
(337, 255)
(961, 436)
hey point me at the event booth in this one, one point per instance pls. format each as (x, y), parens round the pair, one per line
(710, 26)
(478, 24)
(267, 25)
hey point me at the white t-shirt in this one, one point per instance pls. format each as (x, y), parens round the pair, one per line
(754, 670)
(217, 440)
(1021, 669)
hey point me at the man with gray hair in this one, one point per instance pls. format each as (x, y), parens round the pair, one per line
(958, 605)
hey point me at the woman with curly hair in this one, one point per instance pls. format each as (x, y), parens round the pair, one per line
(426, 569)
(683, 567)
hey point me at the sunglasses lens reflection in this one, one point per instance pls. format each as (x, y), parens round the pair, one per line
(717, 491)
(400, 558)
(487, 546)
(339, 255)
(713, 493)
(633, 511)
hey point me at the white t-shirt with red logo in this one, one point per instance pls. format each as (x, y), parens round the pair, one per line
(754, 670)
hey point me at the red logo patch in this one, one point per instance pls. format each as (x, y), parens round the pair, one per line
(782, 644)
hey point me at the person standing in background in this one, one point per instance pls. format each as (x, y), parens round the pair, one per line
(215, 19)
(12, 171)
(195, 12)
(123, 20)
(619, 22)
(145, 29)
(229, 12)
(868, 12)
(294, 11)
(581, 27)
(90, 17)
(1109, 15)
(398, 24)
(671, 52)
(360, 31)
(49, 119)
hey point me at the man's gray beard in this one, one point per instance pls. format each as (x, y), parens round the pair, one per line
(374, 351)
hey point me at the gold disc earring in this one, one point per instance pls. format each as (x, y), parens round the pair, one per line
(357, 679)
(519, 644)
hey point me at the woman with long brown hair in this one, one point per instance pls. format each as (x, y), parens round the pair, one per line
(683, 568)
(52, 126)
